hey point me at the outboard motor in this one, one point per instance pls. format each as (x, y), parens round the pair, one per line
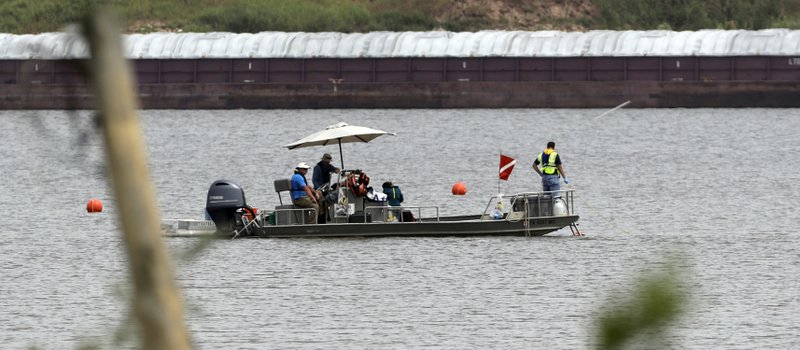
(224, 199)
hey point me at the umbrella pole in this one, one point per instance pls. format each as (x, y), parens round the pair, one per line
(340, 153)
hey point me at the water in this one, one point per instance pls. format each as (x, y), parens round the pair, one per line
(711, 190)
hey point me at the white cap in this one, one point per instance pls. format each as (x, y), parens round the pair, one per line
(302, 165)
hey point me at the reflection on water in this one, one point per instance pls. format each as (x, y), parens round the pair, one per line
(715, 188)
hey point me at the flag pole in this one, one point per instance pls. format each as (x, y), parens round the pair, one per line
(498, 174)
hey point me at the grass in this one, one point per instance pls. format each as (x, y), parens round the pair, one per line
(251, 16)
(698, 14)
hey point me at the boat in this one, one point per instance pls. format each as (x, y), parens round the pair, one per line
(529, 214)
(350, 210)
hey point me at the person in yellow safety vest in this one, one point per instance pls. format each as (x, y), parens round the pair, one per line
(551, 169)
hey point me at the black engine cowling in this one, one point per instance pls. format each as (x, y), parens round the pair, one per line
(224, 199)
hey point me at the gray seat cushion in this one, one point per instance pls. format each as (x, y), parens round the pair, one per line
(283, 185)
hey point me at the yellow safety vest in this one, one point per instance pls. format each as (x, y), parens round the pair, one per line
(549, 168)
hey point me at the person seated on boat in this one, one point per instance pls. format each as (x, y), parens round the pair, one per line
(323, 171)
(303, 196)
(394, 196)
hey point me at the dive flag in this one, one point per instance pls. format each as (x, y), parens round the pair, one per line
(506, 166)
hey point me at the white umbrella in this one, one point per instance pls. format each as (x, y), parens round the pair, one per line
(338, 133)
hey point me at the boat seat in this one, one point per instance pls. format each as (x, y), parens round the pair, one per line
(284, 217)
(283, 185)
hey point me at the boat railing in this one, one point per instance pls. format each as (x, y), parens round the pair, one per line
(527, 205)
(291, 216)
(397, 212)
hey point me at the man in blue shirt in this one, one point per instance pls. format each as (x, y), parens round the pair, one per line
(303, 196)
(323, 171)
(551, 169)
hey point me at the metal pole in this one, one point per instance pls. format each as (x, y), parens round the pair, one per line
(340, 153)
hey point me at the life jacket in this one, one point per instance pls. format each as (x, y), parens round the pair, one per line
(394, 195)
(550, 168)
(358, 184)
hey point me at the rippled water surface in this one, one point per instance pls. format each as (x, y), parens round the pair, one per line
(713, 191)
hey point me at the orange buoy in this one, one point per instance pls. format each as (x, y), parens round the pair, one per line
(459, 189)
(94, 206)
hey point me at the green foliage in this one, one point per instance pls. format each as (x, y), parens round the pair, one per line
(251, 16)
(642, 316)
(24, 16)
(411, 15)
(403, 21)
(695, 14)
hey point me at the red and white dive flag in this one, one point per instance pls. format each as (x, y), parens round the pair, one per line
(506, 166)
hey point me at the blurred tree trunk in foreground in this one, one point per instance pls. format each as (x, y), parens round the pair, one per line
(157, 303)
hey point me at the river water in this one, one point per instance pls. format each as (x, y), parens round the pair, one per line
(709, 192)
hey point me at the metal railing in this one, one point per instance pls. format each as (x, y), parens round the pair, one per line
(532, 204)
(302, 218)
(394, 210)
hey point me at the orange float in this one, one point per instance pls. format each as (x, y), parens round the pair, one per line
(94, 206)
(459, 189)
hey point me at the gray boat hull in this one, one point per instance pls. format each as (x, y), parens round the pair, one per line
(443, 228)
(531, 214)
